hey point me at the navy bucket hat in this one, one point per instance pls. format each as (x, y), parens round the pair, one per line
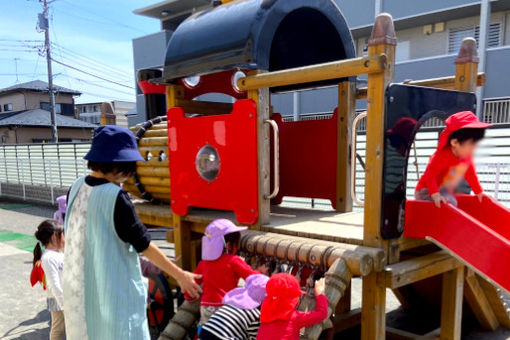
(113, 143)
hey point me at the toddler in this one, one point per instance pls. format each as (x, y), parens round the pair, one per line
(51, 235)
(279, 317)
(220, 267)
(453, 160)
(238, 319)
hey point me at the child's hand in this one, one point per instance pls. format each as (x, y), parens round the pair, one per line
(438, 199)
(263, 269)
(481, 196)
(319, 287)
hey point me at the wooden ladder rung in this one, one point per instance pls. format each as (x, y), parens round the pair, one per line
(419, 268)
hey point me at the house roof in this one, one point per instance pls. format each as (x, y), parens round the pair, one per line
(39, 86)
(40, 118)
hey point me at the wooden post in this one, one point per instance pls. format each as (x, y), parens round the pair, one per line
(345, 114)
(382, 40)
(467, 66)
(182, 229)
(263, 102)
(475, 296)
(451, 304)
(107, 116)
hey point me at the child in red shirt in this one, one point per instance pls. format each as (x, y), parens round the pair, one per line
(220, 267)
(453, 160)
(279, 318)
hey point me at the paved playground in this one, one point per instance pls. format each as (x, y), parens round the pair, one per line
(23, 312)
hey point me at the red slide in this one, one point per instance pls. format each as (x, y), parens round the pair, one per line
(478, 233)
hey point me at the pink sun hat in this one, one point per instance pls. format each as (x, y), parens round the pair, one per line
(251, 295)
(213, 241)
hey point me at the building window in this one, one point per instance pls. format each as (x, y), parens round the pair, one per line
(7, 107)
(456, 36)
(47, 107)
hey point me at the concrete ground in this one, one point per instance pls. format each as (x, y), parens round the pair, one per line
(23, 312)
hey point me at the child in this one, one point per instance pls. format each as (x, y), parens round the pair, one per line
(238, 319)
(453, 160)
(279, 317)
(103, 288)
(60, 214)
(220, 268)
(51, 235)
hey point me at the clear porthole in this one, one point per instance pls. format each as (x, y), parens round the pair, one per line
(208, 163)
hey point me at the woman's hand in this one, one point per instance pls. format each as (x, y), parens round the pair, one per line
(186, 281)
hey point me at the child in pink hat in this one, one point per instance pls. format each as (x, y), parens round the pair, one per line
(240, 314)
(220, 267)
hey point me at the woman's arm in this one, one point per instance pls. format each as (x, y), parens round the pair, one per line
(186, 280)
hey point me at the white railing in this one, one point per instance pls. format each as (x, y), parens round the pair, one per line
(496, 111)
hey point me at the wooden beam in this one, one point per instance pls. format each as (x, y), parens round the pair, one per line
(382, 41)
(204, 107)
(445, 83)
(374, 63)
(480, 306)
(345, 113)
(347, 320)
(373, 315)
(467, 66)
(182, 241)
(451, 304)
(263, 101)
(500, 308)
(419, 268)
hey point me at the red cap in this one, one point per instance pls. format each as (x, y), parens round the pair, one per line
(283, 292)
(404, 128)
(457, 121)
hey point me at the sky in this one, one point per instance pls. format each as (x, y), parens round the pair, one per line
(93, 36)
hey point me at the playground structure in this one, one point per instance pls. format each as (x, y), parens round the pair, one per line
(206, 160)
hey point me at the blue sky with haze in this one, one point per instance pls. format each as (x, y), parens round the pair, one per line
(91, 35)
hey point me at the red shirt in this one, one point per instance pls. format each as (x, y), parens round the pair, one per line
(445, 171)
(289, 329)
(219, 277)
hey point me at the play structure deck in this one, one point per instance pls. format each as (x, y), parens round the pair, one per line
(208, 160)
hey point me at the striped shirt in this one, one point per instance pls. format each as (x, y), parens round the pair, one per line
(232, 323)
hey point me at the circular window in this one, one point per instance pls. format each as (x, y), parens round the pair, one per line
(235, 78)
(191, 81)
(208, 163)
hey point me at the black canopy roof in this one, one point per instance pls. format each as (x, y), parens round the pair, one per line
(259, 34)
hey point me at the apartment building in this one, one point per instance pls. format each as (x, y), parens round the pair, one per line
(91, 112)
(429, 36)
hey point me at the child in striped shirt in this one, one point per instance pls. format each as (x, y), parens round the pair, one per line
(238, 319)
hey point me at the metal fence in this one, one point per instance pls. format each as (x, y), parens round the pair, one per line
(40, 172)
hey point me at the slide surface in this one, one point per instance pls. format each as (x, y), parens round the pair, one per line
(478, 233)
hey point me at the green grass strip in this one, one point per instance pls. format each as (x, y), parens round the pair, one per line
(20, 241)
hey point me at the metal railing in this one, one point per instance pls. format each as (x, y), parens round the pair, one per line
(40, 172)
(496, 110)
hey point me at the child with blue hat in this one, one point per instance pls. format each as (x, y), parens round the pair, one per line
(104, 292)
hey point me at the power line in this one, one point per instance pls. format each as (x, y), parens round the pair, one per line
(101, 86)
(92, 68)
(91, 74)
(109, 19)
(100, 64)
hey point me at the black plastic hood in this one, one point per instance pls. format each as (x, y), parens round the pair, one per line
(259, 34)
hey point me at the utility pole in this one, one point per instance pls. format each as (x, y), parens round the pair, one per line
(47, 47)
(16, 64)
(485, 17)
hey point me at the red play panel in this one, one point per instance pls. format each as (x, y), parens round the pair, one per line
(224, 149)
(485, 247)
(308, 158)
